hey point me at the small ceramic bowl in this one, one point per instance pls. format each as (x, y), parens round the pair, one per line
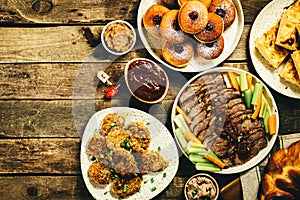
(146, 80)
(200, 186)
(118, 37)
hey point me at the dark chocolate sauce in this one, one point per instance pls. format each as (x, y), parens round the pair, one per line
(147, 81)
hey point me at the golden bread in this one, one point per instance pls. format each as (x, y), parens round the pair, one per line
(298, 29)
(296, 59)
(283, 178)
(287, 33)
(268, 49)
(289, 73)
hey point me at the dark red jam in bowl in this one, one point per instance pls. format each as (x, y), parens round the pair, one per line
(146, 80)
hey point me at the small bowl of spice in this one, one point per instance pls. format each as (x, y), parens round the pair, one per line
(201, 186)
(118, 37)
(146, 80)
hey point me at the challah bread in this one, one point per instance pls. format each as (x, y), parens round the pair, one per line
(283, 178)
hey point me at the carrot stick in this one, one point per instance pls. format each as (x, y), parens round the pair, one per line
(272, 124)
(232, 77)
(183, 114)
(189, 136)
(214, 160)
(249, 80)
(256, 112)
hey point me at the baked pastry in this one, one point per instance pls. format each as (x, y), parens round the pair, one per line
(213, 29)
(212, 50)
(289, 73)
(287, 33)
(171, 4)
(225, 9)
(296, 59)
(265, 44)
(283, 178)
(178, 55)
(298, 29)
(205, 2)
(192, 17)
(152, 19)
(170, 30)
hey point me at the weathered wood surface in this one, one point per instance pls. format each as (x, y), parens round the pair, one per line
(53, 156)
(65, 11)
(72, 81)
(43, 187)
(72, 44)
(95, 11)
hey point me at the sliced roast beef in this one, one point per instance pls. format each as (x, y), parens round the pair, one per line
(221, 120)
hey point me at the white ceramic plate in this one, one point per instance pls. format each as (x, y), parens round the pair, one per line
(263, 22)
(161, 138)
(264, 152)
(231, 36)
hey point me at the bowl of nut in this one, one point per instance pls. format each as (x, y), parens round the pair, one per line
(118, 37)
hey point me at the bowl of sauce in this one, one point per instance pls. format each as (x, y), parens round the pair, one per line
(201, 186)
(146, 80)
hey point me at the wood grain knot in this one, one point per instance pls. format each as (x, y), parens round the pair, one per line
(32, 191)
(42, 6)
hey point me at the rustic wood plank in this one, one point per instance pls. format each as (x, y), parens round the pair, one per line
(63, 12)
(71, 81)
(95, 11)
(72, 44)
(53, 156)
(43, 187)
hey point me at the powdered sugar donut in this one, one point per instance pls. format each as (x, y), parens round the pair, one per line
(225, 9)
(152, 19)
(192, 17)
(170, 29)
(213, 29)
(210, 50)
(178, 55)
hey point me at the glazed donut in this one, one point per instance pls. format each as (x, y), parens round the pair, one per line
(169, 28)
(178, 55)
(192, 17)
(152, 19)
(225, 9)
(213, 29)
(205, 2)
(212, 50)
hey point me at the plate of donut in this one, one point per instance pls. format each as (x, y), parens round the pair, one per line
(190, 36)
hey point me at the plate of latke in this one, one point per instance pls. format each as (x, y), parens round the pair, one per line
(192, 37)
(127, 153)
(225, 120)
(273, 44)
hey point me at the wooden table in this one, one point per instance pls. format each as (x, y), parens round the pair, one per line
(44, 44)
